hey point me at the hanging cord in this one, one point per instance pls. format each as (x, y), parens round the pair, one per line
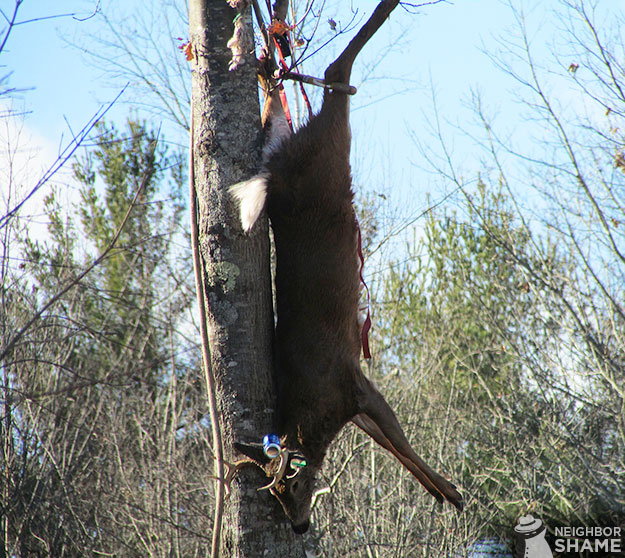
(209, 377)
(281, 91)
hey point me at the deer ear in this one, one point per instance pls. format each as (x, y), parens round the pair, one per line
(254, 452)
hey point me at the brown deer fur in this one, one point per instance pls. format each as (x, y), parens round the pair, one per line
(306, 188)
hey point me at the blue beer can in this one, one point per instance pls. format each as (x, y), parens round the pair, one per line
(271, 445)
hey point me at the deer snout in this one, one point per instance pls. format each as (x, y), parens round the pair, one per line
(301, 528)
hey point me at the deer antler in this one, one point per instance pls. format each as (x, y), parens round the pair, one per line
(278, 476)
(231, 470)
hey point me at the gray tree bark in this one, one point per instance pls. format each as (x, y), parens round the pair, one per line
(236, 272)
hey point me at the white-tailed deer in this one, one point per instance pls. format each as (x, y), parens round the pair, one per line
(306, 187)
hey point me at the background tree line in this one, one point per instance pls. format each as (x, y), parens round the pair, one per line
(499, 338)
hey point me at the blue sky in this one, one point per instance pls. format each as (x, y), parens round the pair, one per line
(437, 53)
(56, 81)
(65, 88)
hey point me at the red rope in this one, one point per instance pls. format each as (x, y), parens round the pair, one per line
(285, 105)
(285, 68)
(283, 99)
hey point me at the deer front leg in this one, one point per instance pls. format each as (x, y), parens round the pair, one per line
(385, 429)
(365, 423)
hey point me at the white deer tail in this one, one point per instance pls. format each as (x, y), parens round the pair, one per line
(250, 195)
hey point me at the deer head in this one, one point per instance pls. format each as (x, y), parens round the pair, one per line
(292, 481)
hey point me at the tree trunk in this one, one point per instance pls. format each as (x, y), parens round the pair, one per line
(236, 274)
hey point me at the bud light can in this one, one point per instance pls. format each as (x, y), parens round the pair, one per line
(271, 445)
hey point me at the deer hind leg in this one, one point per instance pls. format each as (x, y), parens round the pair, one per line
(340, 70)
(336, 102)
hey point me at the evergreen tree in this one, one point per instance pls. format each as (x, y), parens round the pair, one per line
(107, 446)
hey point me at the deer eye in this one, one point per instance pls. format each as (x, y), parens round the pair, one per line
(295, 486)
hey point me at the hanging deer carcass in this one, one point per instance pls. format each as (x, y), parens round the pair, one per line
(305, 186)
